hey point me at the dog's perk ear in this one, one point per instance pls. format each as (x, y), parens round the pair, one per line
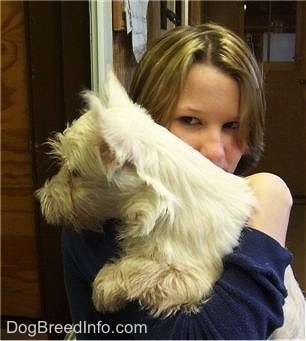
(93, 102)
(115, 92)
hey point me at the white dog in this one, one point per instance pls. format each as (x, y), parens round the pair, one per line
(180, 214)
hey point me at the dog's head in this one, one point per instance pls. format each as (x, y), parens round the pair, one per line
(97, 155)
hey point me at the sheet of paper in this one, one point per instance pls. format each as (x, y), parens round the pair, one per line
(136, 22)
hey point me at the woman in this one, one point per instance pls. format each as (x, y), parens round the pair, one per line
(204, 85)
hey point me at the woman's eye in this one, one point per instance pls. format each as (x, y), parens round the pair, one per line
(234, 125)
(189, 120)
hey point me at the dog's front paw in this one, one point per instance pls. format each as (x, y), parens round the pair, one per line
(108, 293)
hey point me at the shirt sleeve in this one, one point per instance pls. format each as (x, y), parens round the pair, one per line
(246, 302)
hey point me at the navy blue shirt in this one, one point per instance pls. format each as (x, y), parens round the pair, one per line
(246, 302)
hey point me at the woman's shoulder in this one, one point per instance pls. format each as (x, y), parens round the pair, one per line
(274, 202)
(270, 183)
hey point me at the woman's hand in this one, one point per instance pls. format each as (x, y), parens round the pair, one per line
(274, 205)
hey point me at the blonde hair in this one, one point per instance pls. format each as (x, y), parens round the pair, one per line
(159, 78)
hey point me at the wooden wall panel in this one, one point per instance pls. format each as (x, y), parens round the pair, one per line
(228, 13)
(285, 126)
(20, 294)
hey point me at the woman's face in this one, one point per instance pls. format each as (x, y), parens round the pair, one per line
(207, 116)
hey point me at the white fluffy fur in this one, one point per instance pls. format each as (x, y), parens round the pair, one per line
(180, 213)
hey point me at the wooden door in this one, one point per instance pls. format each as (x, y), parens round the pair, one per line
(20, 289)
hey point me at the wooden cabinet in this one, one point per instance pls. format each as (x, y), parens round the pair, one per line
(269, 26)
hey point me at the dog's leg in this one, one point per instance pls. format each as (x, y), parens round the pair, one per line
(294, 311)
(161, 288)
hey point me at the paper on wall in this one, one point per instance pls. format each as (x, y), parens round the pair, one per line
(136, 22)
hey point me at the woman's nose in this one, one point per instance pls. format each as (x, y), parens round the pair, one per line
(212, 147)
